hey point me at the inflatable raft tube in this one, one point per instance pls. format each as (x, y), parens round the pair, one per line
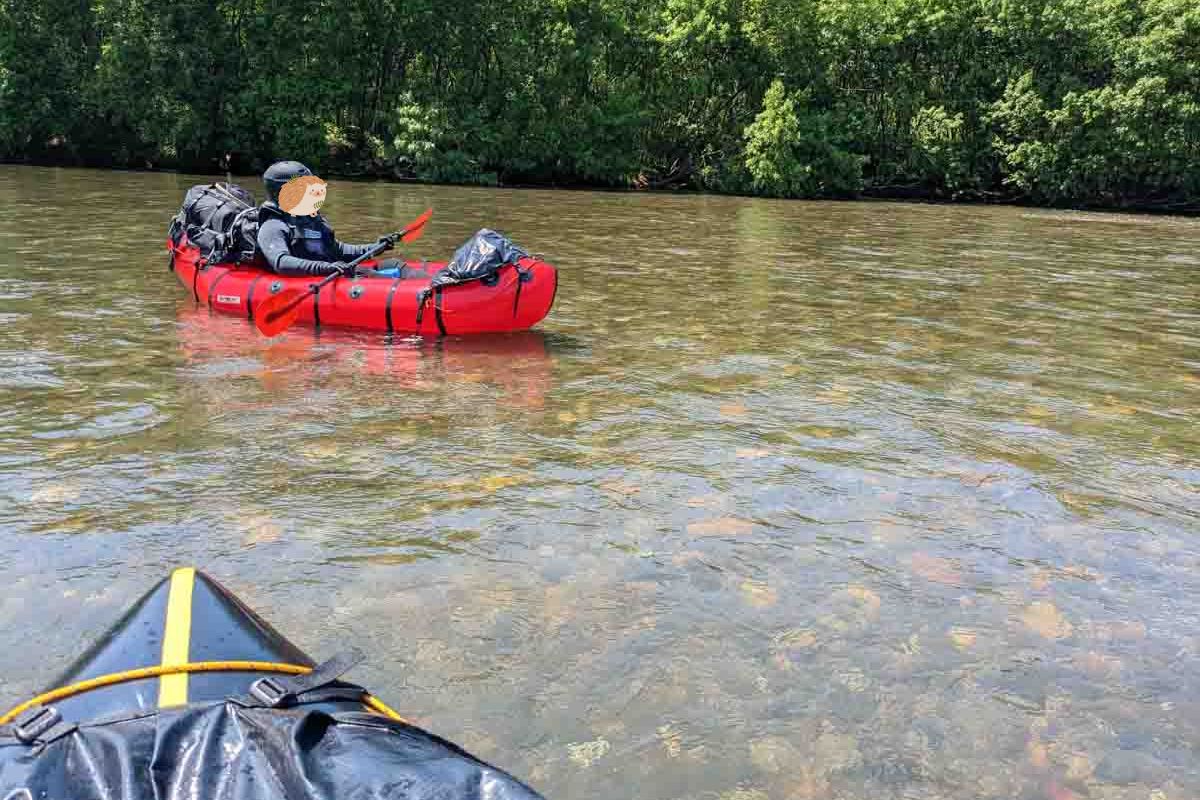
(193, 695)
(519, 298)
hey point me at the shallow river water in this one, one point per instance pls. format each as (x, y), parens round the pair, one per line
(782, 500)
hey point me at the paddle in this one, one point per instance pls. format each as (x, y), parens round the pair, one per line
(277, 313)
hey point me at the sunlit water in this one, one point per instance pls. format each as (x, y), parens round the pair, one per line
(783, 500)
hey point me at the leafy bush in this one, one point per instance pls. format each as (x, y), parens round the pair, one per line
(795, 151)
(1052, 101)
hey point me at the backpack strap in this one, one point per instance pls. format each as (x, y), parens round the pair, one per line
(216, 210)
(196, 199)
(179, 223)
(225, 191)
(249, 248)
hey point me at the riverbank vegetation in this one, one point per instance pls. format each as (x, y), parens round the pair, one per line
(1080, 102)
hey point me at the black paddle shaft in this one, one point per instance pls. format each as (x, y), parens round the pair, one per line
(313, 288)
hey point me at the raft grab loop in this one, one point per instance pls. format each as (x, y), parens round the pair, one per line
(33, 720)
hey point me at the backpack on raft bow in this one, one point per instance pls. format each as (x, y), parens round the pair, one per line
(478, 259)
(235, 711)
(271, 744)
(221, 219)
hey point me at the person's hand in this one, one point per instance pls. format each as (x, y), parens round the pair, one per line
(346, 270)
(388, 242)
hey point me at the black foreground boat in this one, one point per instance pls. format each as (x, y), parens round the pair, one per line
(193, 696)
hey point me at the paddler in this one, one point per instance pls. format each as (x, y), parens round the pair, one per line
(295, 239)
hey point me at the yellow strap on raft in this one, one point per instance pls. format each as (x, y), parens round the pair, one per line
(177, 637)
(372, 702)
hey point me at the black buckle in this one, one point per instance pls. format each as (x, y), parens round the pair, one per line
(33, 722)
(269, 691)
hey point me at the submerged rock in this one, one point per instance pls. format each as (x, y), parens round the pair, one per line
(1129, 766)
(962, 638)
(744, 794)
(1044, 619)
(585, 754)
(720, 526)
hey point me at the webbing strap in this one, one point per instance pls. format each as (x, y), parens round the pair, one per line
(35, 718)
(157, 671)
(275, 692)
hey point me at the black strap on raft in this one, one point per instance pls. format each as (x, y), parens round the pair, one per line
(523, 276)
(195, 278)
(212, 287)
(388, 309)
(275, 692)
(422, 300)
(437, 310)
(250, 298)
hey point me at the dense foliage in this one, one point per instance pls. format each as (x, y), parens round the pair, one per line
(1048, 101)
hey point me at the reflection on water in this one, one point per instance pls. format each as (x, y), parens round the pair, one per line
(783, 500)
(217, 348)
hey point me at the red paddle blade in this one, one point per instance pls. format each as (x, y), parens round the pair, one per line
(416, 227)
(277, 313)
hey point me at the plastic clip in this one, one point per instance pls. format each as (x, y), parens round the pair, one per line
(269, 691)
(35, 721)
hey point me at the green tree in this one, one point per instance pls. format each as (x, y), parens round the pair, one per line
(1048, 101)
(793, 151)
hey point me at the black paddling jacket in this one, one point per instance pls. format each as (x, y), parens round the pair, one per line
(301, 245)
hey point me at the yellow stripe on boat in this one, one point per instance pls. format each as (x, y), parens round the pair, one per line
(177, 635)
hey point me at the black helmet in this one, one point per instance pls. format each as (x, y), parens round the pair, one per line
(280, 173)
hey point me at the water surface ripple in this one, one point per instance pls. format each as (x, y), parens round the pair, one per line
(783, 500)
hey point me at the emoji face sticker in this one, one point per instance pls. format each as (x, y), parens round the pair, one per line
(303, 196)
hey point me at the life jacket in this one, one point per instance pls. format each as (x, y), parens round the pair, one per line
(221, 220)
(308, 237)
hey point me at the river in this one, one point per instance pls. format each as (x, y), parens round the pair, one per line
(782, 500)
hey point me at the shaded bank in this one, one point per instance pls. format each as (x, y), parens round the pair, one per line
(1050, 102)
(881, 194)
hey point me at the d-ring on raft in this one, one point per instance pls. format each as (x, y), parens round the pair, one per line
(192, 695)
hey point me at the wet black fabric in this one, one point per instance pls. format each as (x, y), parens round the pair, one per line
(479, 257)
(220, 219)
(227, 751)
